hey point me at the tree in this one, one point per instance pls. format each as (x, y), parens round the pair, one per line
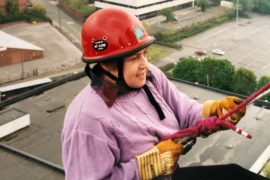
(39, 10)
(187, 69)
(76, 4)
(1, 13)
(168, 13)
(12, 7)
(262, 6)
(217, 73)
(262, 81)
(244, 82)
(203, 4)
(244, 5)
(215, 2)
(87, 10)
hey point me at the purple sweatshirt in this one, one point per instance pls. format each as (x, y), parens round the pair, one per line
(99, 142)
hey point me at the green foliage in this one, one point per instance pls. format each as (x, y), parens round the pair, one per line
(216, 73)
(215, 2)
(187, 69)
(1, 13)
(262, 81)
(86, 10)
(17, 17)
(203, 4)
(76, 4)
(166, 38)
(244, 81)
(155, 53)
(262, 6)
(39, 9)
(36, 13)
(168, 13)
(167, 68)
(266, 169)
(82, 7)
(12, 7)
(244, 5)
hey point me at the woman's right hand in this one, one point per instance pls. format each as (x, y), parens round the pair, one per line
(160, 160)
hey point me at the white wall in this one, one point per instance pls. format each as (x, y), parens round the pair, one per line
(227, 4)
(145, 9)
(14, 125)
(260, 162)
(135, 3)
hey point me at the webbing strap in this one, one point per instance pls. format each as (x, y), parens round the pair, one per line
(154, 102)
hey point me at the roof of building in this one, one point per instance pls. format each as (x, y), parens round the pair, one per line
(42, 137)
(9, 41)
(10, 115)
(25, 84)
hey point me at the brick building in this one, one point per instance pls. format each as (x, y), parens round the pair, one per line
(22, 5)
(14, 50)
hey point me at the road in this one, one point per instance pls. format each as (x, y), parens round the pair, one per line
(245, 45)
(62, 20)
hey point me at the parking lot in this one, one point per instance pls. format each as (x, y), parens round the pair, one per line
(59, 53)
(245, 45)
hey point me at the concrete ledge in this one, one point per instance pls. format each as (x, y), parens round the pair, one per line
(13, 120)
(260, 162)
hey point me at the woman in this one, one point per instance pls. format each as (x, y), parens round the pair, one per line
(114, 126)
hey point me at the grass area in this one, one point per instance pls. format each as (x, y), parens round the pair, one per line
(155, 53)
(266, 169)
(169, 37)
(171, 34)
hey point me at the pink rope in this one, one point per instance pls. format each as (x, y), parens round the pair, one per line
(195, 131)
(248, 100)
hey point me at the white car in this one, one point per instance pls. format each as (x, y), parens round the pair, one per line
(218, 52)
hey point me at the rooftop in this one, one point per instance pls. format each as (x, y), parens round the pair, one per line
(42, 138)
(9, 41)
(9, 115)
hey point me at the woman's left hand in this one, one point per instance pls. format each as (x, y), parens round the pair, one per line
(220, 107)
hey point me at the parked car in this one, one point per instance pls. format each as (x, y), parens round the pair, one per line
(218, 52)
(200, 52)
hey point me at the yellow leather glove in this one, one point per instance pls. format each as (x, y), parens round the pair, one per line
(220, 107)
(160, 160)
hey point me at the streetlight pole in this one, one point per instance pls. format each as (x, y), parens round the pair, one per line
(22, 60)
(236, 29)
(59, 16)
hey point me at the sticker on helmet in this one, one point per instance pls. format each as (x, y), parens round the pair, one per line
(100, 45)
(139, 33)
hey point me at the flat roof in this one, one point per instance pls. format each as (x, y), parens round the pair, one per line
(9, 41)
(25, 84)
(10, 115)
(42, 137)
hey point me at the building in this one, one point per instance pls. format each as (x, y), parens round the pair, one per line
(144, 9)
(39, 146)
(14, 50)
(22, 5)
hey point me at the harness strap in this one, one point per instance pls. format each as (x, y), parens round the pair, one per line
(154, 102)
(121, 82)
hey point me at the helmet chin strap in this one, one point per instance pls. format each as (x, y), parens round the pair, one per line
(124, 88)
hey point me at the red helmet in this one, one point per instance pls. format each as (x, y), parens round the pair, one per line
(112, 33)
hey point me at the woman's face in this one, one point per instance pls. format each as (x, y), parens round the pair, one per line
(135, 69)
